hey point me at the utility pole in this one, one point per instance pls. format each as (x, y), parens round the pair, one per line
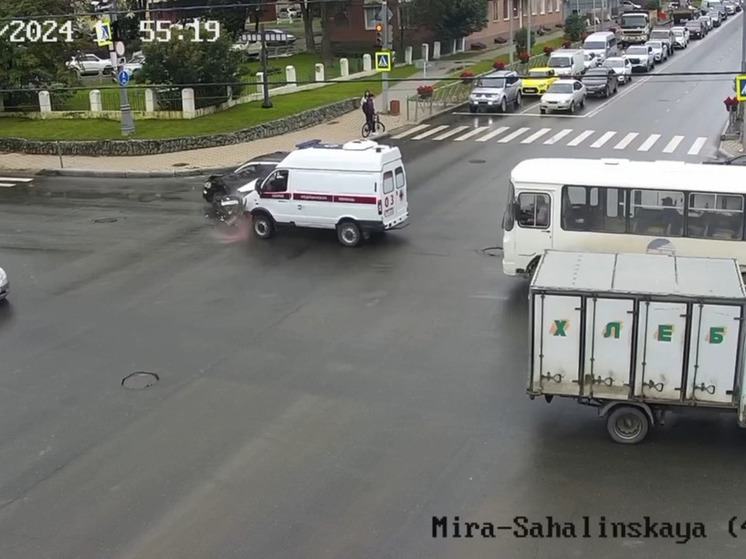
(266, 103)
(128, 124)
(386, 46)
(743, 71)
(529, 4)
(510, 31)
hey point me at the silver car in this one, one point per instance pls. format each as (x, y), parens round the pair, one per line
(4, 284)
(641, 57)
(660, 50)
(563, 95)
(496, 91)
(622, 68)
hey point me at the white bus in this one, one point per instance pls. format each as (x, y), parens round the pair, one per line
(617, 205)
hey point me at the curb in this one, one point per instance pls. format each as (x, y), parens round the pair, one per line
(722, 153)
(134, 173)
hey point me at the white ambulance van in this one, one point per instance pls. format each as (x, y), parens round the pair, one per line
(358, 188)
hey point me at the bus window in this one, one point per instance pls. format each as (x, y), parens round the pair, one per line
(715, 216)
(654, 212)
(533, 210)
(615, 220)
(580, 208)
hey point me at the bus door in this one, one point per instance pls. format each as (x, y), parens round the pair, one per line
(533, 217)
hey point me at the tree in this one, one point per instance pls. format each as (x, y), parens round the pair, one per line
(520, 38)
(450, 19)
(183, 62)
(574, 27)
(308, 13)
(233, 20)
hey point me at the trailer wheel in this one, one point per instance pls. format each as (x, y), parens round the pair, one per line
(627, 425)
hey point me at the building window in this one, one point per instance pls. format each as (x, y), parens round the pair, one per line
(495, 10)
(505, 9)
(373, 16)
(549, 6)
(556, 5)
(533, 6)
(543, 7)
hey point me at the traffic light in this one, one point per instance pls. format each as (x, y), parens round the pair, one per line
(379, 35)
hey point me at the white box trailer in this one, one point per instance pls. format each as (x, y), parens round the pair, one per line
(638, 335)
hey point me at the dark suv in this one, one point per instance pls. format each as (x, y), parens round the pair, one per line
(227, 184)
(600, 81)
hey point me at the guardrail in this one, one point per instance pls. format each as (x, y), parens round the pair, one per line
(457, 93)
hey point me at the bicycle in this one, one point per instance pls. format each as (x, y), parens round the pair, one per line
(380, 128)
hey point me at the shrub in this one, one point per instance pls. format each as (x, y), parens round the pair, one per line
(548, 50)
(499, 65)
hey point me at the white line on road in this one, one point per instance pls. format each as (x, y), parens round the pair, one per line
(450, 133)
(492, 134)
(6, 185)
(411, 131)
(627, 140)
(647, 144)
(513, 136)
(673, 144)
(536, 135)
(580, 138)
(15, 179)
(603, 139)
(430, 132)
(477, 130)
(558, 136)
(698, 143)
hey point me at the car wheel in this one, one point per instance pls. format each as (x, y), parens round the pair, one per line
(348, 233)
(542, 111)
(262, 225)
(572, 107)
(504, 105)
(518, 100)
(607, 93)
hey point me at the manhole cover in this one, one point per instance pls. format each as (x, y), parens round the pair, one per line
(140, 380)
(332, 122)
(477, 161)
(493, 252)
(106, 220)
(179, 164)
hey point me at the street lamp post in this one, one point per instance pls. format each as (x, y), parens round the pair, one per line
(266, 103)
(127, 122)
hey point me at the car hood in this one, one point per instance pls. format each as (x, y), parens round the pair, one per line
(556, 97)
(537, 81)
(248, 187)
(487, 91)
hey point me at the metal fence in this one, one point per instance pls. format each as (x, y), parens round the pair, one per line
(457, 93)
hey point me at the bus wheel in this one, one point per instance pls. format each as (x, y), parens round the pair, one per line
(627, 425)
(348, 233)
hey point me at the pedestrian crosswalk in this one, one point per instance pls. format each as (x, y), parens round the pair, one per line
(567, 137)
(10, 182)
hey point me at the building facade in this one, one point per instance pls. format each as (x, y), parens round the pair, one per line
(526, 13)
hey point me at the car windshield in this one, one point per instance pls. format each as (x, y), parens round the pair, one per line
(559, 62)
(659, 34)
(560, 88)
(615, 63)
(654, 44)
(637, 50)
(634, 21)
(693, 25)
(594, 45)
(492, 83)
(596, 74)
(534, 74)
(678, 33)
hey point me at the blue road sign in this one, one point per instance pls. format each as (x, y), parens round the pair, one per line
(383, 61)
(741, 87)
(123, 77)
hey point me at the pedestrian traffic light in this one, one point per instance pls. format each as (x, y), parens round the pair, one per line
(379, 35)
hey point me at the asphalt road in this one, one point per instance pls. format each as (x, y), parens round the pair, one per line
(313, 402)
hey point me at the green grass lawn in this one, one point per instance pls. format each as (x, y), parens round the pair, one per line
(241, 116)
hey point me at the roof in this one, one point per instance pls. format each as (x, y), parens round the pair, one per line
(619, 273)
(500, 74)
(600, 34)
(565, 52)
(357, 155)
(623, 173)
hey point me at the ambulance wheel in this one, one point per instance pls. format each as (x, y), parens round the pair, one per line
(628, 425)
(348, 233)
(262, 225)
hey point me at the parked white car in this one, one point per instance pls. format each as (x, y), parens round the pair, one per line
(135, 63)
(590, 60)
(660, 51)
(4, 285)
(680, 37)
(89, 64)
(563, 95)
(641, 57)
(622, 68)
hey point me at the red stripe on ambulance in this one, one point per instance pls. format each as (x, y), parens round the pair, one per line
(355, 199)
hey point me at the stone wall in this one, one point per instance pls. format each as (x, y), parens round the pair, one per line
(109, 148)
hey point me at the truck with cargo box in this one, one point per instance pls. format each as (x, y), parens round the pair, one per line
(638, 335)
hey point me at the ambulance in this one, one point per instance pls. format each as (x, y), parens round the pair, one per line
(357, 189)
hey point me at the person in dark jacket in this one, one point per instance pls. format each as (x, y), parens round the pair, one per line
(369, 109)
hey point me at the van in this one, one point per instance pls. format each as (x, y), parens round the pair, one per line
(358, 188)
(603, 44)
(567, 63)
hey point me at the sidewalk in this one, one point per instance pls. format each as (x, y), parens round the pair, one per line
(220, 159)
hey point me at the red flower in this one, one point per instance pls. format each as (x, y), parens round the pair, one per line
(566, 44)
(523, 56)
(466, 74)
(425, 89)
(548, 50)
(499, 65)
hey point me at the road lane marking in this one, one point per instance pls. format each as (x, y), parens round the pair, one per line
(492, 134)
(477, 130)
(647, 144)
(627, 140)
(536, 135)
(513, 135)
(603, 139)
(410, 131)
(698, 143)
(6, 185)
(450, 133)
(430, 132)
(15, 179)
(558, 136)
(673, 144)
(580, 138)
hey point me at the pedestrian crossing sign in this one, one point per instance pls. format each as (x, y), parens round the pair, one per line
(383, 61)
(741, 87)
(103, 32)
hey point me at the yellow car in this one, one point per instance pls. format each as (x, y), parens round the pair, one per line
(537, 81)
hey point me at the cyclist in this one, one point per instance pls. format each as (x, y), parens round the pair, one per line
(369, 109)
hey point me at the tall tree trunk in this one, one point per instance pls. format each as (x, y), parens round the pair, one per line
(306, 12)
(326, 40)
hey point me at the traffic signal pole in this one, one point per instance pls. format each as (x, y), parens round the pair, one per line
(386, 46)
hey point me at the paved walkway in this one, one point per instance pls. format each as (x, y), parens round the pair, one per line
(193, 162)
